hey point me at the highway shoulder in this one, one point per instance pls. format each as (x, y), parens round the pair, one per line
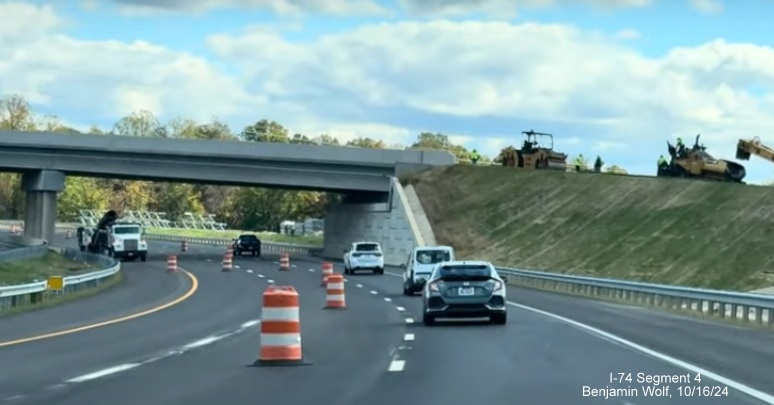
(145, 286)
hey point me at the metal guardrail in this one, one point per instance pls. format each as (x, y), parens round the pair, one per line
(748, 307)
(34, 293)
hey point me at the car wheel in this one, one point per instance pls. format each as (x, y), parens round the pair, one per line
(143, 258)
(406, 290)
(499, 319)
(253, 253)
(379, 271)
(428, 320)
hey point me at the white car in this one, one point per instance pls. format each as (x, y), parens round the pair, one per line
(420, 265)
(364, 256)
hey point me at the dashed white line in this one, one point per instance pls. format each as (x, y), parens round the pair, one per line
(401, 309)
(250, 271)
(409, 337)
(359, 285)
(202, 342)
(409, 320)
(276, 262)
(293, 266)
(270, 281)
(236, 267)
(396, 365)
(103, 373)
(209, 260)
(311, 270)
(261, 276)
(374, 292)
(387, 299)
(346, 281)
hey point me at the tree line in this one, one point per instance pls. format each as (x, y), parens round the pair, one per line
(267, 207)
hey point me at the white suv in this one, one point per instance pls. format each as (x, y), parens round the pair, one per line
(364, 256)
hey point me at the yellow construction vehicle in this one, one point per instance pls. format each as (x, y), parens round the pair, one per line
(697, 163)
(747, 147)
(534, 154)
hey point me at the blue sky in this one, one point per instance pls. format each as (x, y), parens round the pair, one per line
(605, 81)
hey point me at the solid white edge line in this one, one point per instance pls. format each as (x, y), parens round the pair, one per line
(409, 337)
(752, 392)
(396, 365)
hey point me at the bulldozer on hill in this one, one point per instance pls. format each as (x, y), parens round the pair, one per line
(748, 147)
(534, 154)
(697, 163)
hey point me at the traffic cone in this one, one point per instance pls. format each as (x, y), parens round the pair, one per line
(334, 292)
(171, 264)
(228, 262)
(284, 262)
(184, 246)
(327, 270)
(280, 328)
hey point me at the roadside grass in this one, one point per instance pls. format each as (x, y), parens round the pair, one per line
(51, 264)
(670, 231)
(231, 234)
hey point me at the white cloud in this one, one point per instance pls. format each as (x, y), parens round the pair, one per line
(708, 6)
(628, 34)
(507, 8)
(381, 80)
(282, 7)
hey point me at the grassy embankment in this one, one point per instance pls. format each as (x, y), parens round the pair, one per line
(231, 234)
(52, 264)
(694, 233)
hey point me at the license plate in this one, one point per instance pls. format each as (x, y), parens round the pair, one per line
(130, 254)
(466, 291)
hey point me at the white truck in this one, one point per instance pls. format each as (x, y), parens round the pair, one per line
(364, 256)
(127, 241)
(420, 265)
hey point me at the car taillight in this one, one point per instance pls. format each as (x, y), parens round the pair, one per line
(433, 286)
(498, 285)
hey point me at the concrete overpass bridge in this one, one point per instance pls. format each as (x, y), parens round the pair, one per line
(374, 204)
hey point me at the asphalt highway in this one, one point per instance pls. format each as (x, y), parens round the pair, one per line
(376, 351)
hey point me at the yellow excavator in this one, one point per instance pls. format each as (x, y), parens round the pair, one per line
(534, 154)
(748, 147)
(697, 163)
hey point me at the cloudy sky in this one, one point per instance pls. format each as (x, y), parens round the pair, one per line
(615, 78)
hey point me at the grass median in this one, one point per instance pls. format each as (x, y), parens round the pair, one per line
(307, 240)
(40, 269)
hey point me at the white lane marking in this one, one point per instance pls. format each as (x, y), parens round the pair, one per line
(236, 267)
(409, 320)
(346, 281)
(374, 292)
(359, 285)
(261, 276)
(250, 271)
(276, 262)
(270, 281)
(104, 372)
(209, 260)
(396, 365)
(393, 274)
(409, 337)
(401, 309)
(202, 342)
(177, 351)
(293, 266)
(311, 270)
(752, 392)
(387, 299)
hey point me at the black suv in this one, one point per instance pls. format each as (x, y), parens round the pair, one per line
(247, 243)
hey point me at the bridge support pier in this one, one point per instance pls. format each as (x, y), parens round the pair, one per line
(386, 219)
(40, 208)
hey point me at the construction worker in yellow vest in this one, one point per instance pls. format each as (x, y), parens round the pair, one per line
(474, 156)
(662, 162)
(580, 163)
(680, 147)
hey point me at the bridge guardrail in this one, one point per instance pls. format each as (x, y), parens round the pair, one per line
(12, 296)
(748, 307)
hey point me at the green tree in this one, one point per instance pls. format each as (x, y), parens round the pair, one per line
(367, 143)
(140, 123)
(266, 131)
(438, 141)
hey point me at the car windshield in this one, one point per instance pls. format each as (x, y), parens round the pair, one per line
(433, 256)
(367, 247)
(465, 272)
(248, 238)
(124, 230)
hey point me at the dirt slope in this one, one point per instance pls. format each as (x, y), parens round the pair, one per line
(672, 231)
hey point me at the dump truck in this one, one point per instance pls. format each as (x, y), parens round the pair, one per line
(537, 152)
(122, 240)
(697, 163)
